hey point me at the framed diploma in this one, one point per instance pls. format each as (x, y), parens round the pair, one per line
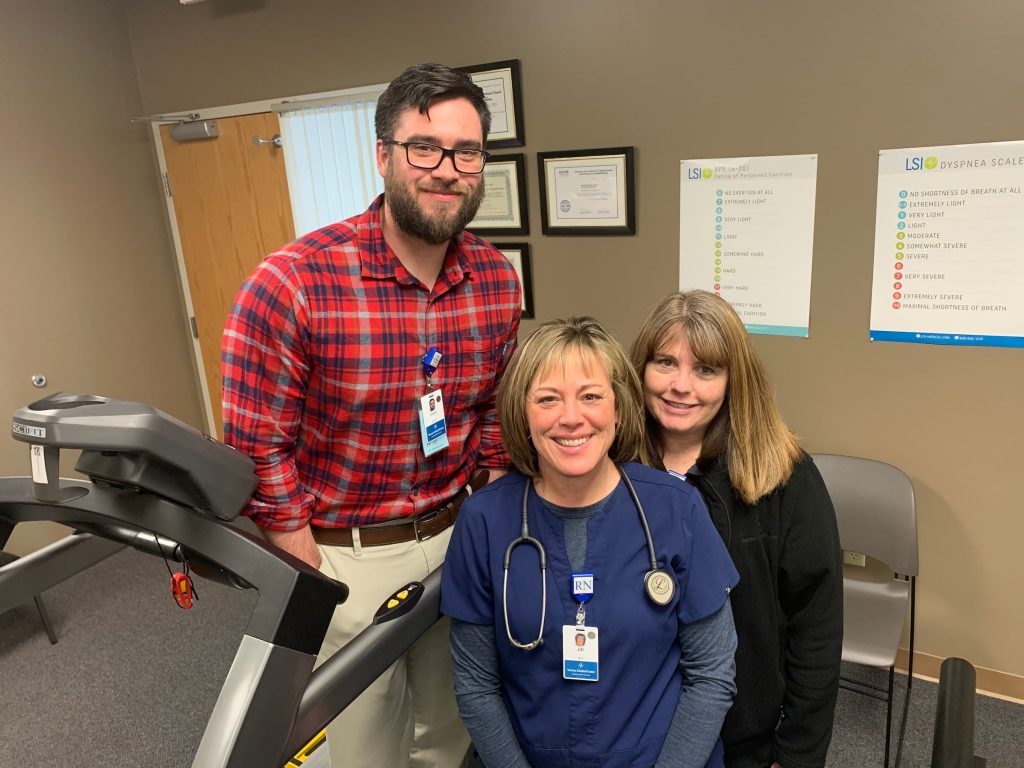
(587, 192)
(503, 210)
(504, 94)
(519, 255)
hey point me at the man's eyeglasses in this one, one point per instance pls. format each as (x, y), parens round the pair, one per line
(428, 156)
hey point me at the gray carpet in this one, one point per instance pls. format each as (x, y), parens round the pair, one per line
(858, 739)
(134, 678)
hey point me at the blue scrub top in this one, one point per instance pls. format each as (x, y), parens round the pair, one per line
(621, 720)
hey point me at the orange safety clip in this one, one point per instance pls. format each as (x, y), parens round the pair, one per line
(181, 588)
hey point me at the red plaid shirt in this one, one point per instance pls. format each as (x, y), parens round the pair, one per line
(322, 367)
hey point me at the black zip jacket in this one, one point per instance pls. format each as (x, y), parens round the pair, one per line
(788, 609)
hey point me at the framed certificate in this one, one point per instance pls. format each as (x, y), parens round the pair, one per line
(587, 192)
(503, 210)
(519, 255)
(500, 81)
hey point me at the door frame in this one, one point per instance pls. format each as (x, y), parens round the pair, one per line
(213, 113)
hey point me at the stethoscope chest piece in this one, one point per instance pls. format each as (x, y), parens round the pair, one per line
(660, 586)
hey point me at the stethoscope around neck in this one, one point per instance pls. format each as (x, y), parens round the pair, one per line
(658, 583)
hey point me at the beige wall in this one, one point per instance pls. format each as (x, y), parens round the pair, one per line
(90, 260)
(695, 80)
(91, 298)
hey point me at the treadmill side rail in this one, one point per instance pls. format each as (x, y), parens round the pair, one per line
(249, 722)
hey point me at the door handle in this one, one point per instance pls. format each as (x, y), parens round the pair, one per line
(275, 140)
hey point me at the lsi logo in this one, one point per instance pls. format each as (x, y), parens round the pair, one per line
(917, 163)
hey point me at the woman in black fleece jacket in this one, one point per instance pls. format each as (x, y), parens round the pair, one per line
(712, 419)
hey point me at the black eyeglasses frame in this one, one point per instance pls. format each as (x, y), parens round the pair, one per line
(445, 152)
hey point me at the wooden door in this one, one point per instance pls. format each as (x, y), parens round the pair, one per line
(230, 200)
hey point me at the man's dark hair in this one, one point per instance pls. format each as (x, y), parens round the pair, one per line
(421, 86)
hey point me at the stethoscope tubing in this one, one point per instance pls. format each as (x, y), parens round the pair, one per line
(525, 538)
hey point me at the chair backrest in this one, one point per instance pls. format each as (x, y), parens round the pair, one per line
(874, 504)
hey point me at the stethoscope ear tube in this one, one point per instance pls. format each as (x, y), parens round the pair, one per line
(643, 518)
(525, 538)
(543, 601)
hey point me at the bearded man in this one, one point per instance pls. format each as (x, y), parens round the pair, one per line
(333, 349)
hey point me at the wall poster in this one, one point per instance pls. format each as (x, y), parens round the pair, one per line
(746, 232)
(949, 246)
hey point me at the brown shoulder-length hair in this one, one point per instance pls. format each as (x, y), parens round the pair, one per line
(554, 343)
(748, 430)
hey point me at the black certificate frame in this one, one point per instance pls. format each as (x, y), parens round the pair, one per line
(625, 155)
(517, 165)
(507, 71)
(525, 272)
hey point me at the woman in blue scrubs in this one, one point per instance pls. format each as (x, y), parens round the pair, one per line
(652, 678)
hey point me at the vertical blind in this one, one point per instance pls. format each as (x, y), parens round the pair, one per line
(329, 158)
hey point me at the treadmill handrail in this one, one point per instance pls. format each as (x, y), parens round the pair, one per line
(295, 602)
(338, 681)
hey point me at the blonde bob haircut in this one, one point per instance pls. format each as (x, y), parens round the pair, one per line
(748, 431)
(556, 342)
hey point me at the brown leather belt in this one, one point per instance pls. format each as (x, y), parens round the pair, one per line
(419, 528)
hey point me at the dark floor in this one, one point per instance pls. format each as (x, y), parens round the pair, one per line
(134, 678)
(858, 739)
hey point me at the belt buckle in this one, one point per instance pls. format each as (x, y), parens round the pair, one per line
(425, 518)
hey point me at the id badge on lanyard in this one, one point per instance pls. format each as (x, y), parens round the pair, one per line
(579, 641)
(430, 409)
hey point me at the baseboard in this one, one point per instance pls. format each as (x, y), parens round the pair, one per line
(990, 682)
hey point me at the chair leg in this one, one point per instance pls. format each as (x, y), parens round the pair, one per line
(910, 671)
(46, 620)
(888, 716)
(903, 726)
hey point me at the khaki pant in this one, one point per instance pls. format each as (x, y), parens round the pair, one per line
(408, 716)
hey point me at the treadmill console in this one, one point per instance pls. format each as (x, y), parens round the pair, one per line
(134, 445)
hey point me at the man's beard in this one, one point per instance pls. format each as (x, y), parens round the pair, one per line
(412, 220)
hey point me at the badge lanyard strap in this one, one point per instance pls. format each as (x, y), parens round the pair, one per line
(430, 362)
(582, 597)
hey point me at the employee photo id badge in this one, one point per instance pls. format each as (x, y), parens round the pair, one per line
(579, 653)
(433, 430)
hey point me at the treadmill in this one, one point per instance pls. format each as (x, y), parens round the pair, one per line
(165, 488)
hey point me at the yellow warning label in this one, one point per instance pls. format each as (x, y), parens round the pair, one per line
(304, 753)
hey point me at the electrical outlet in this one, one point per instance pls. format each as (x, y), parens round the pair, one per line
(854, 558)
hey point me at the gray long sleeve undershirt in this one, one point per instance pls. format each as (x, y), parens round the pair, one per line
(709, 669)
